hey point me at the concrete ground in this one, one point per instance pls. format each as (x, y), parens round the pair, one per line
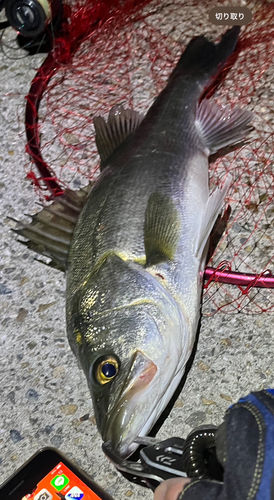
(44, 396)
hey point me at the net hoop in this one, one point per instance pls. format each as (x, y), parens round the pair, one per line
(220, 274)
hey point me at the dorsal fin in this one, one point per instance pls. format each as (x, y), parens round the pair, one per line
(109, 135)
(50, 231)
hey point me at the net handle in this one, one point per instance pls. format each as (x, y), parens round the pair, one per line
(248, 280)
(37, 89)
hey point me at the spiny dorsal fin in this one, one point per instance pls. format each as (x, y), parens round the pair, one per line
(109, 135)
(50, 231)
(162, 229)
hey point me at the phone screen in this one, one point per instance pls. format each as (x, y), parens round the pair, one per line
(61, 484)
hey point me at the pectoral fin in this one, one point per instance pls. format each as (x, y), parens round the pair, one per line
(109, 135)
(221, 127)
(212, 209)
(50, 231)
(162, 229)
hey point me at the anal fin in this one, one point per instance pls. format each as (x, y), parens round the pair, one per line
(50, 231)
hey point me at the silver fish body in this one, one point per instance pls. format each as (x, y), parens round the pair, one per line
(138, 249)
(122, 307)
(134, 276)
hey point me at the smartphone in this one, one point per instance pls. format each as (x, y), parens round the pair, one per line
(50, 475)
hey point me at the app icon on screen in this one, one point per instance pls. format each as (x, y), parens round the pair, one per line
(43, 495)
(59, 482)
(74, 494)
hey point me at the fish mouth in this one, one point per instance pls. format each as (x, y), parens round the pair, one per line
(123, 424)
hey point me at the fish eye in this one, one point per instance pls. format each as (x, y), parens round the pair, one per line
(106, 370)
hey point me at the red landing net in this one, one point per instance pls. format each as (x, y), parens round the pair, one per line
(114, 52)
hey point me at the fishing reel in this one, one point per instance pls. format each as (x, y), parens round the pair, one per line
(34, 20)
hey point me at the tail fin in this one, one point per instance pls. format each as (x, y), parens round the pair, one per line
(204, 57)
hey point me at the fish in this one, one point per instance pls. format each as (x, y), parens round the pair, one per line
(133, 244)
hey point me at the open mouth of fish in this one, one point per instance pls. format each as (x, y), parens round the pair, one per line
(126, 420)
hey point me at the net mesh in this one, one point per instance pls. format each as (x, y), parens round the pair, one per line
(122, 53)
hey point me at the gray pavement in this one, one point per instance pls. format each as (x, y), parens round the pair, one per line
(44, 397)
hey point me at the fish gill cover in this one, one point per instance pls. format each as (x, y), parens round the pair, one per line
(122, 52)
